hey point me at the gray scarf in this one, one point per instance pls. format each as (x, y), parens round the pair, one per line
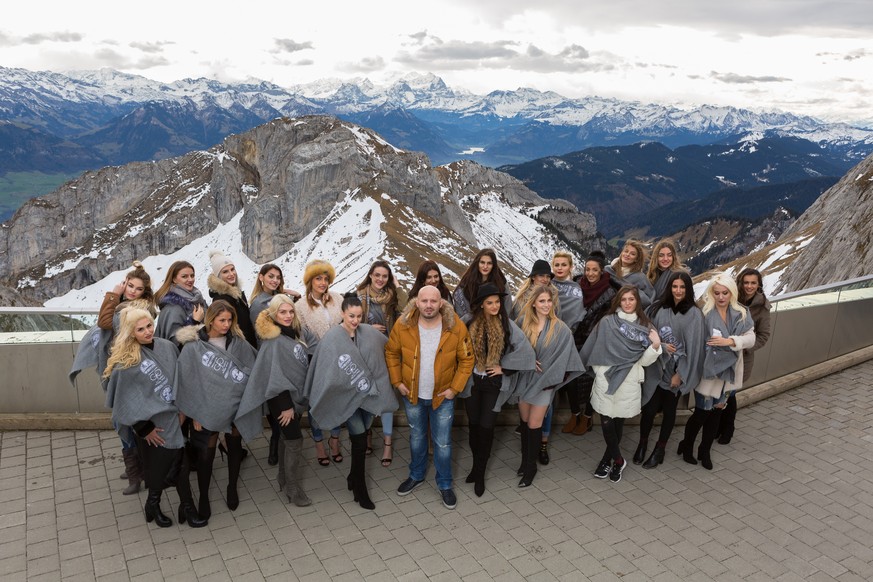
(146, 392)
(519, 356)
(558, 360)
(281, 366)
(616, 343)
(720, 361)
(194, 297)
(570, 308)
(345, 375)
(686, 332)
(211, 381)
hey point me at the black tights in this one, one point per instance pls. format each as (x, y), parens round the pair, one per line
(292, 430)
(483, 397)
(612, 429)
(664, 401)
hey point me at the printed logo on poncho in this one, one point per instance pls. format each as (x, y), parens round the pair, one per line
(633, 335)
(224, 366)
(156, 376)
(569, 288)
(95, 339)
(300, 354)
(356, 375)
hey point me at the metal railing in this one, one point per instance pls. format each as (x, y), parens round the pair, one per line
(37, 345)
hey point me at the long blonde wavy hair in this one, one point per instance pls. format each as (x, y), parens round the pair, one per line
(126, 351)
(528, 318)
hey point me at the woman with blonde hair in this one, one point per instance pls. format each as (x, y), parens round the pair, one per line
(557, 362)
(319, 310)
(662, 264)
(627, 269)
(730, 330)
(141, 393)
(211, 378)
(278, 378)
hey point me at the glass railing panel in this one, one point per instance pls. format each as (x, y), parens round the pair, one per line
(31, 326)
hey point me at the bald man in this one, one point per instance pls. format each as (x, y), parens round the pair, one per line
(430, 358)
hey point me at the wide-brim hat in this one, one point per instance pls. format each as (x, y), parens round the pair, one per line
(541, 267)
(486, 290)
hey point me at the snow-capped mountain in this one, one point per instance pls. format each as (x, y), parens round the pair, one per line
(285, 192)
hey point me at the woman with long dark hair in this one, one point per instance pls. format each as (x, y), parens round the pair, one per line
(729, 330)
(348, 382)
(382, 301)
(500, 350)
(211, 378)
(679, 322)
(180, 302)
(622, 344)
(750, 285)
(482, 269)
(598, 290)
(141, 393)
(429, 273)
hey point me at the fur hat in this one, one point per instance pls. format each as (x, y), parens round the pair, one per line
(318, 267)
(218, 261)
(541, 267)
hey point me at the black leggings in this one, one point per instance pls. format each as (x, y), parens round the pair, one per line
(483, 397)
(290, 432)
(612, 429)
(664, 401)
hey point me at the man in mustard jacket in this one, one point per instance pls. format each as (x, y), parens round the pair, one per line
(430, 358)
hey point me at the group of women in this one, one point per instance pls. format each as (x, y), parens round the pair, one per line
(201, 377)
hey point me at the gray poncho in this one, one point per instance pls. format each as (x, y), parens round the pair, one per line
(93, 352)
(616, 343)
(570, 307)
(345, 375)
(686, 332)
(661, 283)
(519, 356)
(719, 361)
(281, 365)
(211, 381)
(146, 392)
(639, 280)
(259, 304)
(559, 362)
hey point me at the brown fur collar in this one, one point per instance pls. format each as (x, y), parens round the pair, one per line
(410, 315)
(265, 327)
(188, 333)
(219, 287)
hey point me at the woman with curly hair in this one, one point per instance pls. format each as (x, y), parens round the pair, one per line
(482, 269)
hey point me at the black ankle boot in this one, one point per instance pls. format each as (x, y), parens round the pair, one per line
(188, 514)
(640, 453)
(152, 509)
(656, 458)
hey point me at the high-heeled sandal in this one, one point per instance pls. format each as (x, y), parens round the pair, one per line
(323, 461)
(336, 456)
(387, 450)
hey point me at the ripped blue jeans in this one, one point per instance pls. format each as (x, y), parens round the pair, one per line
(419, 415)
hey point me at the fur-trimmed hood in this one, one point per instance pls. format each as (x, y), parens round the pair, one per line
(266, 328)
(409, 316)
(218, 287)
(189, 333)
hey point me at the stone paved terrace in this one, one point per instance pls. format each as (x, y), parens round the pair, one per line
(790, 499)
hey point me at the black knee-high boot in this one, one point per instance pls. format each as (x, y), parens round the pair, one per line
(525, 449)
(534, 438)
(205, 459)
(357, 476)
(728, 419)
(474, 445)
(187, 513)
(234, 461)
(710, 428)
(275, 434)
(692, 427)
(160, 463)
(480, 461)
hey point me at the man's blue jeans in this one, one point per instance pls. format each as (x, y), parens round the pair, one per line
(418, 416)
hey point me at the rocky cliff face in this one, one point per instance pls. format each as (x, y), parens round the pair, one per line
(841, 249)
(282, 180)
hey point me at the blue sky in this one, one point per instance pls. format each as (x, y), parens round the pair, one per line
(805, 56)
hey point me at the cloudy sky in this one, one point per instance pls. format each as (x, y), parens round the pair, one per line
(805, 56)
